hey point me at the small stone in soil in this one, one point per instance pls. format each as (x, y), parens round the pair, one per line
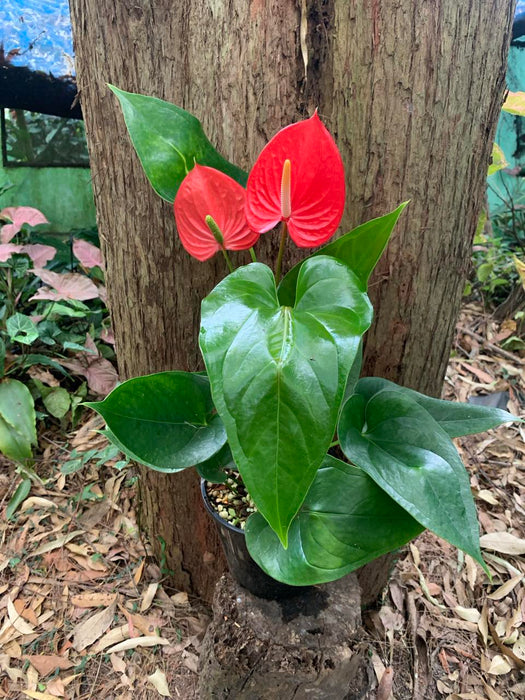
(231, 500)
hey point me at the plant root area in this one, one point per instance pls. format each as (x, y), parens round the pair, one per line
(86, 613)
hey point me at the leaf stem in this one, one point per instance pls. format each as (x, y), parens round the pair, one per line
(284, 236)
(334, 443)
(252, 253)
(227, 258)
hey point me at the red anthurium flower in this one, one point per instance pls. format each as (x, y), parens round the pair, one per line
(209, 211)
(298, 178)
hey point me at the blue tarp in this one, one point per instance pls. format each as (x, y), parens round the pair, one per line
(41, 31)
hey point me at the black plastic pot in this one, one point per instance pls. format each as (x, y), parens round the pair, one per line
(240, 563)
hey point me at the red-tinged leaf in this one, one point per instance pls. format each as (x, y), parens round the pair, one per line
(101, 376)
(107, 335)
(88, 254)
(19, 216)
(40, 254)
(7, 249)
(103, 293)
(209, 192)
(316, 189)
(66, 286)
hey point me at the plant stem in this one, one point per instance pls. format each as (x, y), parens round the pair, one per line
(284, 236)
(227, 258)
(252, 253)
(334, 444)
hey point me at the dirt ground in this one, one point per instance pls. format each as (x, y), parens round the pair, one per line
(85, 612)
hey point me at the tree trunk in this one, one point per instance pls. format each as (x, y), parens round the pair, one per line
(411, 91)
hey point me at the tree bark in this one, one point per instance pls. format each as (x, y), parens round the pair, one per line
(411, 91)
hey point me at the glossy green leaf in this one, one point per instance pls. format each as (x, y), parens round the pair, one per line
(354, 373)
(168, 141)
(345, 521)
(166, 421)
(278, 374)
(360, 249)
(213, 468)
(456, 419)
(405, 451)
(19, 496)
(17, 420)
(21, 329)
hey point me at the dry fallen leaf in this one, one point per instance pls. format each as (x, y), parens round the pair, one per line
(93, 600)
(384, 689)
(56, 544)
(88, 631)
(505, 589)
(158, 680)
(46, 664)
(503, 542)
(499, 666)
(180, 598)
(148, 596)
(119, 665)
(470, 614)
(114, 636)
(138, 642)
(17, 621)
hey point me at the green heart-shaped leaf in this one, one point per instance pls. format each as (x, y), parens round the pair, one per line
(213, 468)
(345, 521)
(17, 420)
(168, 141)
(278, 374)
(166, 421)
(405, 451)
(455, 418)
(360, 249)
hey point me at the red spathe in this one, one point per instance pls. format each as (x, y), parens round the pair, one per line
(317, 191)
(209, 192)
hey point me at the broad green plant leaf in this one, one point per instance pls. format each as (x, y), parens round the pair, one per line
(405, 451)
(345, 521)
(484, 271)
(23, 361)
(213, 468)
(17, 420)
(168, 141)
(360, 249)
(456, 419)
(57, 401)
(21, 329)
(498, 160)
(166, 421)
(278, 374)
(55, 308)
(19, 496)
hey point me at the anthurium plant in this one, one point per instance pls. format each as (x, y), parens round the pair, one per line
(281, 389)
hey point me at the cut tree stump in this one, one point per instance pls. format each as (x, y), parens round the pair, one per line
(302, 647)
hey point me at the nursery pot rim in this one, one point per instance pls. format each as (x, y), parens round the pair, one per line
(211, 510)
